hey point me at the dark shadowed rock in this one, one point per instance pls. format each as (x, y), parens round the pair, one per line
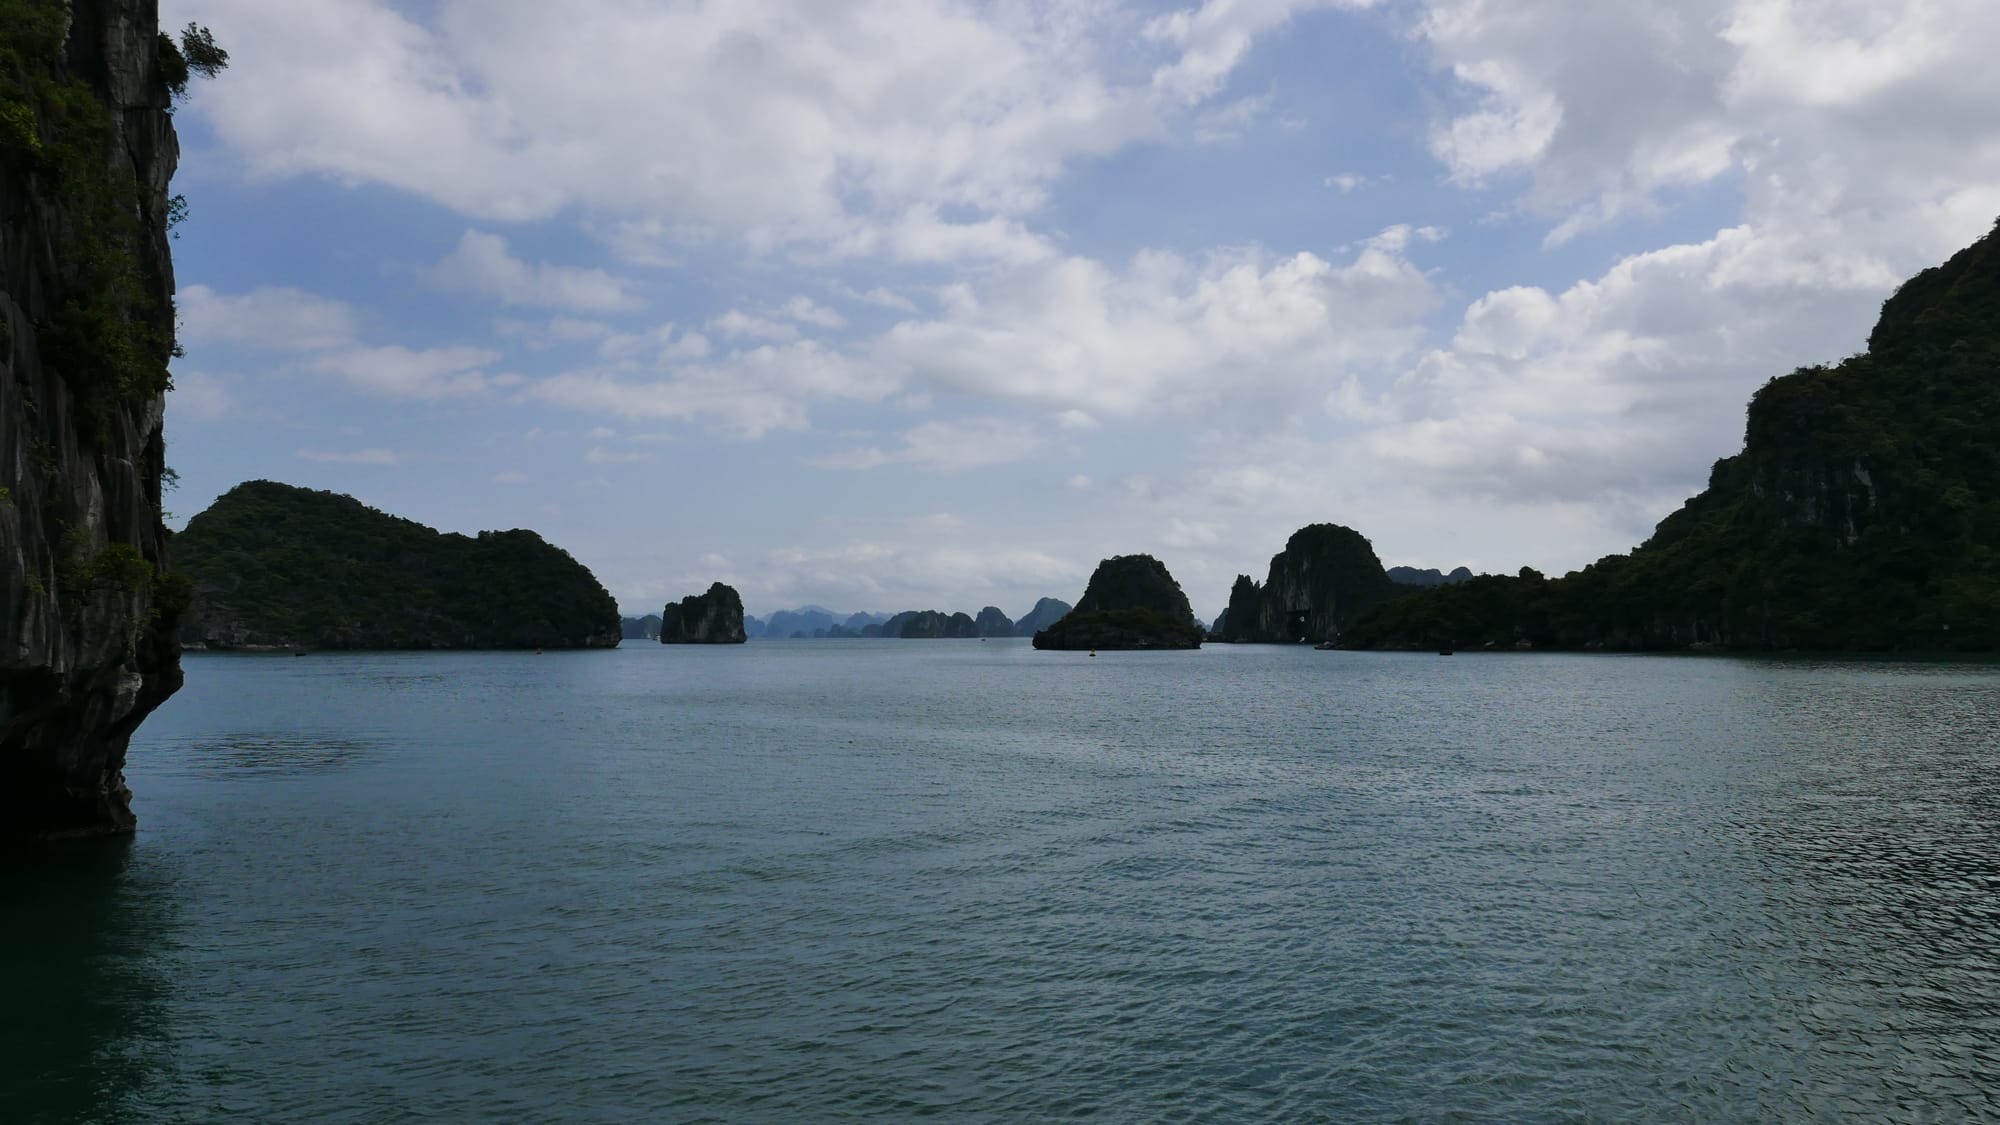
(1132, 602)
(930, 624)
(713, 618)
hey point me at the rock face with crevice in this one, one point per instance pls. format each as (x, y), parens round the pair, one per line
(1324, 580)
(87, 617)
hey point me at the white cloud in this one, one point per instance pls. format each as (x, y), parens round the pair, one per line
(1847, 124)
(961, 572)
(1189, 533)
(1213, 38)
(749, 392)
(1836, 106)
(1168, 334)
(949, 446)
(556, 330)
(351, 457)
(920, 236)
(885, 298)
(805, 311)
(599, 455)
(202, 396)
(808, 117)
(1238, 332)
(737, 324)
(275, 317)
(1228, 122)
(427, 373)
(481, 264)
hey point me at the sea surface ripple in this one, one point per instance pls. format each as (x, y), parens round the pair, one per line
(825, 881)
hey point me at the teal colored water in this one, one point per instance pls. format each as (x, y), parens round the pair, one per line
(824, 881)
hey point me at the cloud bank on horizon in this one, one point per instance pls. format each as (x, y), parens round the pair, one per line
(899, 304)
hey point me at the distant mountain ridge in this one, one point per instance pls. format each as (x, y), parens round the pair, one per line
(809, 622)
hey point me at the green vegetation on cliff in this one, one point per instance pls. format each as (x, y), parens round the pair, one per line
(277, 565)
(109, 335)
(1862, 514)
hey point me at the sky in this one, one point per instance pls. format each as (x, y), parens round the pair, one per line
(922, 304)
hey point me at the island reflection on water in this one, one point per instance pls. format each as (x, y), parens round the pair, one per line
(86, 1035)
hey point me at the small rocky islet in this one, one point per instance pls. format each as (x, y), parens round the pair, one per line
(1132, 602)
(711, 618)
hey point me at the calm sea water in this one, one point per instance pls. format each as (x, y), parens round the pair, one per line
(821, 881)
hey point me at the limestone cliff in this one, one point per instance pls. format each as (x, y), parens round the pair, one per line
(713, 618)
(1323, 581)
(1862, 514)
(1132, 602)
(87, 149)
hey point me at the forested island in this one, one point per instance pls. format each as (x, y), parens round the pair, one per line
(275, 566)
